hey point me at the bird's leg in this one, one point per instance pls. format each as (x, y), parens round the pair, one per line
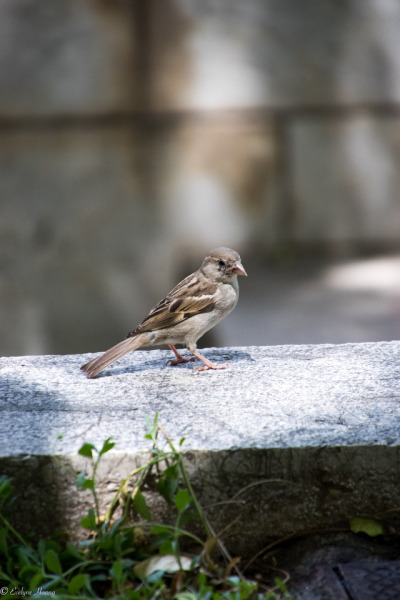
(179, 358)
(207, 363)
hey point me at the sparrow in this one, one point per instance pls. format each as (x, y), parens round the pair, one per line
(193, 307)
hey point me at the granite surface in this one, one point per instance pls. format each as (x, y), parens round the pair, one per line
(282, 396)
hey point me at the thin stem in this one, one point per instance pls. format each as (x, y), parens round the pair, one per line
(143, 468)
(95, 496)
(206, 524)
(187, 483)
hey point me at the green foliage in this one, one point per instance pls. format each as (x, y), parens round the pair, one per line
(369, 526)
(121, 557)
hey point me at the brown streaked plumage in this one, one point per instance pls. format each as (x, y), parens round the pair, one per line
(193, 307)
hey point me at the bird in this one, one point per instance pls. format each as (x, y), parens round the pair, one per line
(193, 307)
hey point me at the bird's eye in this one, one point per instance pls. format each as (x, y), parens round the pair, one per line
(221, 263)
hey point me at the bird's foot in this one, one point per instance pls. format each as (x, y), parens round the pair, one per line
(179, 358)
(208, 366)
(178, 361)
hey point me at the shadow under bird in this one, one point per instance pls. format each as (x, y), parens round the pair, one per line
(193, 307)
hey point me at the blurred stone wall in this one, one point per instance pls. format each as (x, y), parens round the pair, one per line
(137, 134)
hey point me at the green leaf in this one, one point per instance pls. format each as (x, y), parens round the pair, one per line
(28, 572)
(185, 596)
(140, 505)
(371, 527)
(26, 555)
(107, 446)
(167, 547)
(117, 545)
(90, 578)
(35, 581)
(87, 450)
(73, 551)
(117, 525)
(116, 571)
(160, 530)
(201, 579)
(152, 427)
(89, 522)
(88, 484)
(167, 486)
(41, 548)
(52, 543)
(76, 583)
(80, 480)
(53, 562)
(168, 483)
(182, 500)
(6, 488)
(171, 472)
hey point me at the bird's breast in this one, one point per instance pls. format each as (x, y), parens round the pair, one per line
(227, 297)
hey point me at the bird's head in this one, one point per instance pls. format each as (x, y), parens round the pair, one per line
(223, 264)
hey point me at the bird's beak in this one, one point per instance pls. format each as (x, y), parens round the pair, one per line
(238, 269)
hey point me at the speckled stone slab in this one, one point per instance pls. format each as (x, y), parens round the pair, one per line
(268, 397)
(305, 436)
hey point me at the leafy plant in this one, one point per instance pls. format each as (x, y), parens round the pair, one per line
(125, 554)
(369, 526)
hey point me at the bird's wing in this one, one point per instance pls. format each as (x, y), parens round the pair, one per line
(190, 297)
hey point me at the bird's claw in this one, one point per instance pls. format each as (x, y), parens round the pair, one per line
(177, 361)
(211, 367)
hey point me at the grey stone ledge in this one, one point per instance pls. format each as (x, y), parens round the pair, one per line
(324, 419)
(268, 397)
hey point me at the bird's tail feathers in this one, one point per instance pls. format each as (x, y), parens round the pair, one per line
(93, 367)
